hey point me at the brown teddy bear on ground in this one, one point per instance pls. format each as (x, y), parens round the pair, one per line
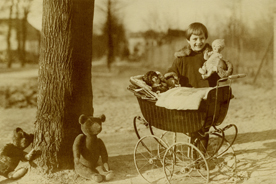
(13, 153)
(88, 148)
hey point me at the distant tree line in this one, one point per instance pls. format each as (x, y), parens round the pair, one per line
(112, 42)
(18, 10)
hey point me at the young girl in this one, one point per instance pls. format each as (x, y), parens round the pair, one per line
(185, 68)
(190, 59)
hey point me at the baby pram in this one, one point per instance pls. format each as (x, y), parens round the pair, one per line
(171, 157)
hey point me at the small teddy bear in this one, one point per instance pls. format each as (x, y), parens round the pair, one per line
(215, 62)
(13, 153)
(88, 148)
(156, 81)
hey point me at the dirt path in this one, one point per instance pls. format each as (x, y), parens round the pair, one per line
(253, 110)
(17, 77)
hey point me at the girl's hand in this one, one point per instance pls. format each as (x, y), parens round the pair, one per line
(174, 75)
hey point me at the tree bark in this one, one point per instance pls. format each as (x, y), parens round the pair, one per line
(65, 89)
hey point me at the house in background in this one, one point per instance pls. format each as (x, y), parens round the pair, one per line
(145, 43)
(32, 43)
(136, 45)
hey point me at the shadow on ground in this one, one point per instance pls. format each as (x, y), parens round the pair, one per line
(256, 136)
(123, 166)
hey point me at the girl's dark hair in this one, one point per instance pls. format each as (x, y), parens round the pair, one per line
(196, 28)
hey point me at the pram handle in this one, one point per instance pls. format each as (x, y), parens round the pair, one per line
(231, 77)
(236, 76)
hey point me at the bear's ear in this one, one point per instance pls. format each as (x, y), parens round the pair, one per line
(16, 130)
(82, 119)
(102, 118)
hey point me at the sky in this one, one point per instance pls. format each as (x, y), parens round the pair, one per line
(140, 15)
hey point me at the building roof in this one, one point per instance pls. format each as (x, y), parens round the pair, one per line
(32, 32)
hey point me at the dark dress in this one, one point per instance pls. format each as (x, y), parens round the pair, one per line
(186, 68)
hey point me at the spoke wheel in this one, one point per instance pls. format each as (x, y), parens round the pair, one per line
(220, 156)
(148, 160)
(172, 137)
(223, 162)
(184, 163)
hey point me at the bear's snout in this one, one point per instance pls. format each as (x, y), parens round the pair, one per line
(96, 128)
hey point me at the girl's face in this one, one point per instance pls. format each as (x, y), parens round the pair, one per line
(197, 42)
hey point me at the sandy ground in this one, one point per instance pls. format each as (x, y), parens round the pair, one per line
(253, 110)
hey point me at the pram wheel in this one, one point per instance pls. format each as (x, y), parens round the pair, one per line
(148, 160)
(184, 163)
(173, 137)
(220, 156)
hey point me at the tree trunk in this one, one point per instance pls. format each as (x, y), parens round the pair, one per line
(274, 44)
(9, 55)
(18, 32)
(24, 35)
(65, 89)
(110, 44)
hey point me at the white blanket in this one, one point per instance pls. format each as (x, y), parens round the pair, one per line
(182, 98)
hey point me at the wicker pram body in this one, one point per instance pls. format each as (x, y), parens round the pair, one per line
(211, 112)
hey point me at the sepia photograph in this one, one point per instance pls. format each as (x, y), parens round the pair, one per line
(137, 91)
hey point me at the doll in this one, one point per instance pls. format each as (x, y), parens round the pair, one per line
(215, 62)
(156, 81)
